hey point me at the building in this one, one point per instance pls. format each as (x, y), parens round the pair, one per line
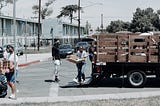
(26, 30)
(56, 29)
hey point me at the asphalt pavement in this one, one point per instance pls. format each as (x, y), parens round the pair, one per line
(28, 59)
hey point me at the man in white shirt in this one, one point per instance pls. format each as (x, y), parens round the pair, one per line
(81, 66)
(11, 74)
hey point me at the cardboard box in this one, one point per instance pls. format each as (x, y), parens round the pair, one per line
(74, 59)
(6, 65)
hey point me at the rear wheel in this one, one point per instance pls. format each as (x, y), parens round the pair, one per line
(136, 78)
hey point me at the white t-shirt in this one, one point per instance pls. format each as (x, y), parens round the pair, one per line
(5, 55)
(11, 58)
(82, 55)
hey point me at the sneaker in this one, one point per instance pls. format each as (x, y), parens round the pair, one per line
(75, 80)
(83, 80)
(12, 96)
(17, 81)
(56, 79)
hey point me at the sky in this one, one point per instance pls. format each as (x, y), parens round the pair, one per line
(92, 9)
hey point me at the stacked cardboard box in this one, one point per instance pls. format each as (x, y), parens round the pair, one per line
(6, 65)
(74, 59)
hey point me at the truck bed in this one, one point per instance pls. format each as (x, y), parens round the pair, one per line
(132, 48)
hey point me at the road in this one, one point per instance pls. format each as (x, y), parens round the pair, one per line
(36, 80)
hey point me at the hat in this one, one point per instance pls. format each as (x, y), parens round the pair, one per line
(57, 41)
(9, 46)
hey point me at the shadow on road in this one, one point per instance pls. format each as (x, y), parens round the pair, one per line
(114, 82)
(50, 81)
(120, 82)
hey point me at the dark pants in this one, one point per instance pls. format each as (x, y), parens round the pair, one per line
(80, 74)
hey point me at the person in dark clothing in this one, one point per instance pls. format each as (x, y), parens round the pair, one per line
(91, 52)
(92, 56)
(56, 59)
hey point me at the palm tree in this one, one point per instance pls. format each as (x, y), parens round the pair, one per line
(4, 3)
(68, 11)
(45, 10)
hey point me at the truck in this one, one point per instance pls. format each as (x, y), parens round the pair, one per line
(131, 56)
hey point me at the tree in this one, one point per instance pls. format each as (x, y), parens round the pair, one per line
(4, 3)
(118, 25)
(46, 10)
(68, 11)
(145, 20)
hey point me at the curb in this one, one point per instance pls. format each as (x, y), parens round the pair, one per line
(28, 63)
(63, 99)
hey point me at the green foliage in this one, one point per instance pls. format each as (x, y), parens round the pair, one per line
(143, 21)
(46, 10)
(68, 11)
(4, 3)
(116, 26)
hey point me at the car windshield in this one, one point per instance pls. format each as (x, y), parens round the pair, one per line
(65, 46)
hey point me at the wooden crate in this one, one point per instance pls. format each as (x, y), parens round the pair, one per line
(135, 58)
(107, 44)
(106, 58)
(127, 48)
(154, 58)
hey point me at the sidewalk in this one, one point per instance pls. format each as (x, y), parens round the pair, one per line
(28, 59)
(110, 100)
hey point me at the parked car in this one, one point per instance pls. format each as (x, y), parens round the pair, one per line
(19, 48)
(65, 49)
(84, 44)
(1, 52)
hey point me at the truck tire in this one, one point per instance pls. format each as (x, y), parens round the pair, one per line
(136, 78)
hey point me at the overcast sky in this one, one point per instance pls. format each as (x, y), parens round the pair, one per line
(111, 9)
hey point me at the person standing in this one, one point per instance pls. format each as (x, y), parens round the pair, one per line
(81, 66)
(91, 53)
(56, 59)
(13, 71)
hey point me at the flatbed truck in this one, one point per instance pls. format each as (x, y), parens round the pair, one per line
(134, 56)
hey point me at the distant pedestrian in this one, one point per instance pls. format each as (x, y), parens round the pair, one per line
(92, 55)
(81, 66)
(91, 52)
(13, 71)
(56, 59)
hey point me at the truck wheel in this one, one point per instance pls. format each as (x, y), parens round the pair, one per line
(136, 78)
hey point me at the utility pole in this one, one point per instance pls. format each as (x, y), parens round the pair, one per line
(79, 20)
(101, 22)
(51, 32)
(14, 34)
(39, 25)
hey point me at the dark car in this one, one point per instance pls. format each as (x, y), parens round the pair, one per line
(65, 49)
(1, 52)
(85, 45)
